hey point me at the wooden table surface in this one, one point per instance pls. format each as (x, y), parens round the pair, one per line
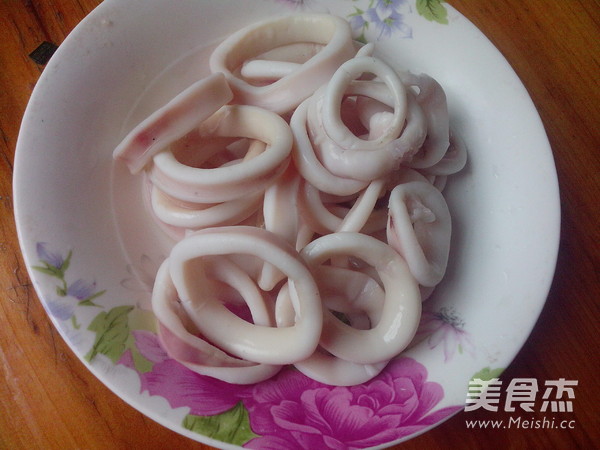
(48, 399)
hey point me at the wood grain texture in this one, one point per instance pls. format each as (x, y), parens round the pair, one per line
(48, 399)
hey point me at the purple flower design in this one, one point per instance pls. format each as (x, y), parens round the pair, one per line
(357, 21)
(388, 21)
(50, 257)
(81, 289)
(60, 308)
(386, 7)
(447, 328)
(84, 292)
(81, 292)
(385, 15)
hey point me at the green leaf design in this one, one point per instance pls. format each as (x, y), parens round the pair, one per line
(89, 301)
(53, 271)
(433, 10)
(357, 12)
(66, 263)
(139, 319)
(362, 39)
(487, 374)
(112, 332)
(48, 270)
(482, 379)
(141, 364)
(61, 291)
(74, 322)
(232, 426)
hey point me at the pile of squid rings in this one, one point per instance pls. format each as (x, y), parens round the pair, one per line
(301, 183)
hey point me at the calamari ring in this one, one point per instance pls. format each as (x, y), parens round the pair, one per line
(329, 369)
(280, 214)
(414, 132)
(419, 228)
(373, 101)
(453, 160)
(171, 122)
(440, 181)
(221, 184)
(286, 93)
(192, 351)
(279, 62)
(193, 216)
(335, 90)
(353, 293)
(324, 219)
(322, 366)
(432, 99)
(401, 310)
(283, 61)
(240, 338)
(308, 164)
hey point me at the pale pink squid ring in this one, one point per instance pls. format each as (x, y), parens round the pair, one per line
(329, 218)
(334, 33)
(335, 90)
(401, 310)
(321, 365)
(251, 175)
(178, 338)
(419, 228)
(194, 216)
(308, 164)
(262, 344)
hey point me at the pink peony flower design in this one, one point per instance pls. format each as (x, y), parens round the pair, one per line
(447, 328)
(294, 412)
(205, 396)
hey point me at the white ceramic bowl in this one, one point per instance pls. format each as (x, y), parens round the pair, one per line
(87, 240)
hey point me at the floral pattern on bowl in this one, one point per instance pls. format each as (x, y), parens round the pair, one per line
(445, 327)
(288, 411)
(89, 257)
(385, 17)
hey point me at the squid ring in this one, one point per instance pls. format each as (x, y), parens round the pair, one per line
(401, 310)
(251, 342)
(419, 228)
(309, 165)
(171, 122)
(194, 352)
(194, 216)
(280, 215)
(373, 100)
(325, 219)
(454, 159)
(229, 182)
(432, 99)
(334, 92)
(334, 33)
(267, 67)
(324, 367)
